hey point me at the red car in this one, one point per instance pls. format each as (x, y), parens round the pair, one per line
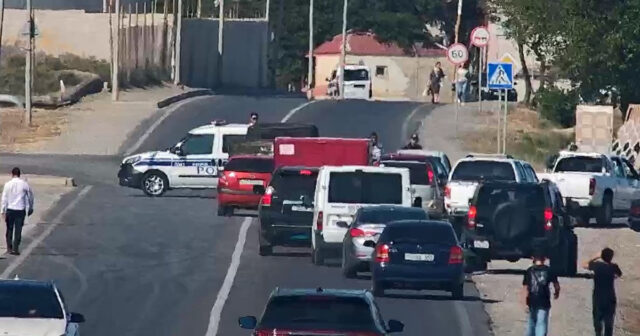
(240, 175)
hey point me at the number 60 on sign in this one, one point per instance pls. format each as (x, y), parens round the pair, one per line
(457, 53)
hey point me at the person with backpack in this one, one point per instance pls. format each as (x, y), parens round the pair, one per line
(604, 292)
(537, 295)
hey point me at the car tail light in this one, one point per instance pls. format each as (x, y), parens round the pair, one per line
(355, 232)
(382, 253)
(319, 221)
(430, 174)
(473, 213)
(592, 186)
(266, 198)
(305, 172)
(635, 210)
(455, 255)
(447, 191)
(548, 217)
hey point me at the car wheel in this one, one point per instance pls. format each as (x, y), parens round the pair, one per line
(584, 219)
(604, 214)
(378, 288)
(154, 184)
(457, 291)
(317, 256)
(266, 248)
(348, 270)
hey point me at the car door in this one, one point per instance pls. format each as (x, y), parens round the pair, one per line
(195, 167)
(634, 181)
(621, 198)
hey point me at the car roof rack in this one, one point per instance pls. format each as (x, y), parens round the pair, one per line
(485, 155)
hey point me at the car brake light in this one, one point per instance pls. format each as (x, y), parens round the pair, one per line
(319, 221)
(473, 213)
(635, 210)
(455, 255)
(382, 253)
(305, 172)
(592, 186)
(447, 191)
(548, 217)
(355, 232)
(430, 174)
(266, 198)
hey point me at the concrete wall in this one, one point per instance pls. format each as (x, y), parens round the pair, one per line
(404, 78)
(245, 53)
(88, 5)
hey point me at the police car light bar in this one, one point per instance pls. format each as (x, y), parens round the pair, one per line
(218, 122)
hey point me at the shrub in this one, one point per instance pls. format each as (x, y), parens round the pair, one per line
(557, 106)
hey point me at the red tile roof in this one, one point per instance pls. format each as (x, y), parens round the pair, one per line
(366, 44)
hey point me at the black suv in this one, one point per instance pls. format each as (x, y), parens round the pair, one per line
(286, 208)
(320, 311)
(509, 220)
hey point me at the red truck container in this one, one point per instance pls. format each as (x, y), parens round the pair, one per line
(317, 152)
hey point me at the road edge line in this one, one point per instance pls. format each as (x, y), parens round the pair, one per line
(295, 110)
(225, 290)
(39, 239)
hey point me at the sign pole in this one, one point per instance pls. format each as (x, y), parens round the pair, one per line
(481, 50)
(457, 54)
(499, 120)
(504, 125)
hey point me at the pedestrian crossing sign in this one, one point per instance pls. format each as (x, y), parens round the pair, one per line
(500, 75)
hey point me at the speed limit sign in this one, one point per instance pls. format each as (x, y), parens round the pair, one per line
(457, 53)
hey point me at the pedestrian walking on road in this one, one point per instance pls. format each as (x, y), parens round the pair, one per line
(537, 295)
(461, 84)
(435, 82)
(253, 118)
(17, 203)
(413, 142)
(376, 152)
(604, 293)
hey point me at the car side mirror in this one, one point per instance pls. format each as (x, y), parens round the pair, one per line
(258, 190)
(395, 326)
(342, 224)
(248, 322)
(177, 150)
(369, 243)
(76, 318)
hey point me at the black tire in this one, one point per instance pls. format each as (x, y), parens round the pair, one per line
(154, 184)
(317, 256)
(604, 214)
(349, 271)
(225, 211)
(378, 288)
(584, 219)
(266, 248)
(564, 256)
(457, 291)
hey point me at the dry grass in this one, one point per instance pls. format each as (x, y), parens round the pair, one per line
(15, 137)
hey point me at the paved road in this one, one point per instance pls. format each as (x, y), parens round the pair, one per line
(140, 266)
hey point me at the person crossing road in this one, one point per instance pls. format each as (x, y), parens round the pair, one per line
(17, 203)
(413, 142)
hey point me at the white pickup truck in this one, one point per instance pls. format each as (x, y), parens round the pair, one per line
(603, 186)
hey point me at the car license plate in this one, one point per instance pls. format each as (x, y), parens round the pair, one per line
(301, 208)
(483, 244)
(251, 182)
(418, 257)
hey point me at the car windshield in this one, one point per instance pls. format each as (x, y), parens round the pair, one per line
(429, 234)
(356, 75)
(417, 170)
(250, 165)
(579, 164)
(384, 216)
(365, 188)
(29, 302)
(483, 171)
(290, 185)
(318, 313)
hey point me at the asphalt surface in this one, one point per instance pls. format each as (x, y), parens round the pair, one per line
(155, 266)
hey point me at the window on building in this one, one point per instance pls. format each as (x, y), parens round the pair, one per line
(381, 71)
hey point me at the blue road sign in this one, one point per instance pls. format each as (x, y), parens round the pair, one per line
(500, 75)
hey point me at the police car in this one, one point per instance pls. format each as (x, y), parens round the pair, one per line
(193, 163)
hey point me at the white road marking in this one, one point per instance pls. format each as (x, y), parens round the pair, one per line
(405, 124)
(38, 240)
(223, 294)
(167, 112)
(295, 110)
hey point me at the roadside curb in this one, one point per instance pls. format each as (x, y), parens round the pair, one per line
(43, 180)
(190, 94)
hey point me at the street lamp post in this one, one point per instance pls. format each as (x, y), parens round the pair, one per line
(310, 70)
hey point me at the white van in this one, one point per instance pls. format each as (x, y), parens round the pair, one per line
(341, 191)
(357, 82)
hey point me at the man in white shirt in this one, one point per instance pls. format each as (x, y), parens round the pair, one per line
(17, 203)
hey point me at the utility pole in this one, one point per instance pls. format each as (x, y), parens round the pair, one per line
(1, 21)
(115, 81)
(199, 9)
(310, 72)
(343, 52)
(220, 64)
(27, 68)
(176, 78)
(458, 19)
(267, 11)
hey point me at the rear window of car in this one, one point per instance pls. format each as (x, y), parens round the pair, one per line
(365, 188)
(489, 197)
(290, 185)
(250, 165)
(483, 171)
(29, 302)
(579, 164)
(385, 216)
(318, 313)
(417, 170)
(429, 234)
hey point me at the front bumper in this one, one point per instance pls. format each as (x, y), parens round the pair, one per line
(129, 177)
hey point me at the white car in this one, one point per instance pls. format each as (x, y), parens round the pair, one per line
(602, 186)
(193, 163)
(341, 191)
(35, 308)
(357, 82)
(469, 172)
